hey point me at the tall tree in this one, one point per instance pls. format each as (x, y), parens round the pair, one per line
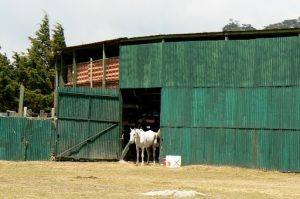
(36, 68)
(40, 51)
(8, 85)
(58, 38)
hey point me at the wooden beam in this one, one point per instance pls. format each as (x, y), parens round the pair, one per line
(62, 73)
(21, 100)
(55, 103)
(91, 72)
(74, 70)
(56, 75)
(104, 67)
(125, 151)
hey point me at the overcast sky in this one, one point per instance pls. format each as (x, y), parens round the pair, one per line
(87, 21)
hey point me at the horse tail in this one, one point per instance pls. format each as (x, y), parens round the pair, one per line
(158, 133)
(156, 136)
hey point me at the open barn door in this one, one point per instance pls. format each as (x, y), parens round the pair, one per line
(141, 109)
(88, 124)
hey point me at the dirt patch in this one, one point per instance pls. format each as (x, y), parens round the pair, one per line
(174, 193)
(86, 177)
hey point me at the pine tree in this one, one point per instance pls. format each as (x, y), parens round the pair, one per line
(58, 38)
(36, 69)
(40, 51)
(8, 85)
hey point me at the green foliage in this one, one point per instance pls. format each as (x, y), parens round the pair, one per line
(8, 85)
(34, 69)
(289, 23)
(40, 51)
(36, 101)
(58, 38)
(234, 25)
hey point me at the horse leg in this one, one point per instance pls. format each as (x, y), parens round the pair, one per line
(154, 153)
(143, 155)
(148, 155)
(137, 155)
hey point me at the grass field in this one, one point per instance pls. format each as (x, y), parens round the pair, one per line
(126, 180)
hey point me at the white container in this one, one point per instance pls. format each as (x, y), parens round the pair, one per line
(173, 161)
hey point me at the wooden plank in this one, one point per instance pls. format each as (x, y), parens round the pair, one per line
(104, 66)
(91, 73)
(61, 73)
(74, 71)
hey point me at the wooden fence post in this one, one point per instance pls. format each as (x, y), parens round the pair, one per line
(21, 100)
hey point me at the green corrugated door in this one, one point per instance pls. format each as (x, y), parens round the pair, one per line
(38, 140)
(88, 124)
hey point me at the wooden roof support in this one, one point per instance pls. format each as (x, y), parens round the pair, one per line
(74, 70)
(104, 66)
(62, 72)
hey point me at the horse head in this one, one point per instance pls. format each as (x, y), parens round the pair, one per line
(133, 135)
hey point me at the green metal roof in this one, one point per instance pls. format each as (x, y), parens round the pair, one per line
(188, 37)
(213, 36)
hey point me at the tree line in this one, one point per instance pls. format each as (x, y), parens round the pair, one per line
(234, 25)
(34, 69)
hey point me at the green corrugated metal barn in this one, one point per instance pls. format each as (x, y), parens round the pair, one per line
(225, 98)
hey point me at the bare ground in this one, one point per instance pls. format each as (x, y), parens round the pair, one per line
(126, 180)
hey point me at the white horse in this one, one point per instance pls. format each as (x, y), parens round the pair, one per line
(144, 139)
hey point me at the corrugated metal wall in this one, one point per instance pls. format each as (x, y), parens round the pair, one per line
(26, 139)
(141, 66)
(83, 116)
(263, 149)
(236, 63)
(250, 127)
(264, 107)
(176, 107)
(234, 102)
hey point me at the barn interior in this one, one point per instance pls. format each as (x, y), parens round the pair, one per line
(141, 109)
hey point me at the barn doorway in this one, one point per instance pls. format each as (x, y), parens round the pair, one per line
(141, 109)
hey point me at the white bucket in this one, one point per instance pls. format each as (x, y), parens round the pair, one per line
(173, 161)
